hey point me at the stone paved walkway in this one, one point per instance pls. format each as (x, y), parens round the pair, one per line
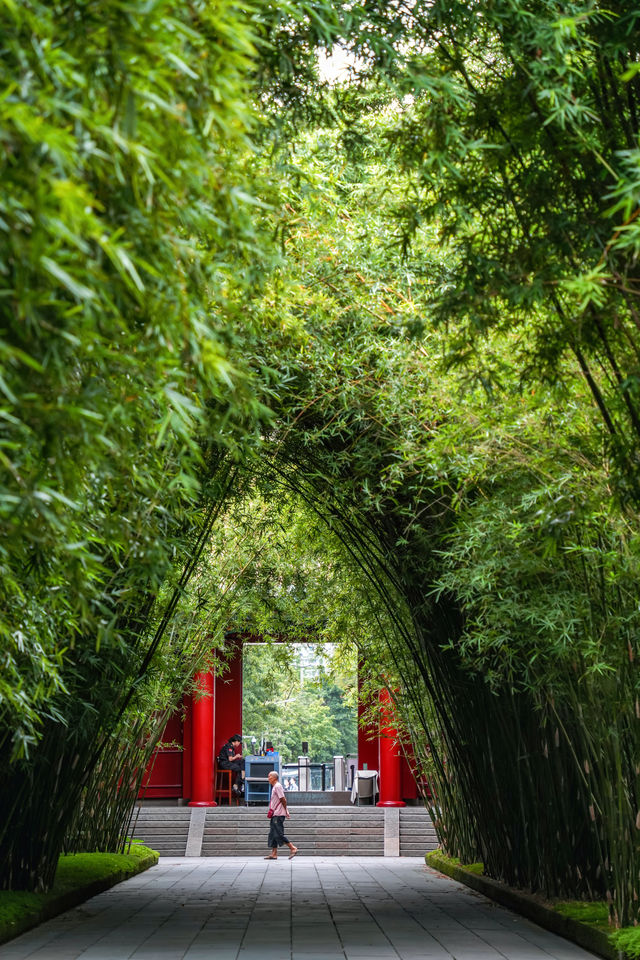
(316, 908)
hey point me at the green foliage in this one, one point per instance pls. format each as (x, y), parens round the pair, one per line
(115, 131)
(518, 135)
(627, 941)
(125, 242)
(501, 589)
(286, 709)
(596, 913)
(76, 874)
(446, 343)
(81, 868)
(437, 857)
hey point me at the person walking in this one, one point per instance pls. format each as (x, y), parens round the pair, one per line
(279, 813)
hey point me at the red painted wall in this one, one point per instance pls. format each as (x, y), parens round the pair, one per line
(187, 753)
(367, 738)
(369, 753)
(169, 773)
(409, 787)
(228, 700)
(163, 777)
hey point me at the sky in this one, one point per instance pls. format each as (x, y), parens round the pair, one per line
(335, 67)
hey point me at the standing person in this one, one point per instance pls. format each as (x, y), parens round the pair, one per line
(278, 808)
(230, 758)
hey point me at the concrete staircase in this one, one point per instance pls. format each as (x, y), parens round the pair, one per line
(417, 832)
(164, 829)
(318, 831)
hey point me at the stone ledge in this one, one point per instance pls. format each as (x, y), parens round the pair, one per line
(528, 906)
(54, 906)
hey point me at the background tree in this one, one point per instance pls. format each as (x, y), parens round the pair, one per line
(470, 528)
(122, 209)
(518, 136)
(281, 707)
(391, 451)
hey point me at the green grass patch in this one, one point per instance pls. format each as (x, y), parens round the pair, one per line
(76, 869)
(477, 868)
(79, 876)
(627, 940)
(593, 912)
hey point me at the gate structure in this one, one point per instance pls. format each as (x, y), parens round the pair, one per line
(182, 766)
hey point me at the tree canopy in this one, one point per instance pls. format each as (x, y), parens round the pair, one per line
(373, 340)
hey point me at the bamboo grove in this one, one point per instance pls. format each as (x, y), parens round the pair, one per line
(394, 311)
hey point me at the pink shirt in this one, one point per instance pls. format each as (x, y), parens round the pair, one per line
(276, 804)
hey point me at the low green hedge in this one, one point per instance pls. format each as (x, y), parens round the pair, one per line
(627, 941)
(596, 914)
(586, 923)
(78, 877)
(593, 912)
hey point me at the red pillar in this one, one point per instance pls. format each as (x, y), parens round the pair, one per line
(202, 742)
(390, 756)
(367, 735)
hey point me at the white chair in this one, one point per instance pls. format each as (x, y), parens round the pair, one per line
(365, 784)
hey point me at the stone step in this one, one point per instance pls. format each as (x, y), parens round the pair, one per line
(319, 831)
(311, 810)
(320, 798)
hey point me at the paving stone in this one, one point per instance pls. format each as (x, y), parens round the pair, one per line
(320, 908)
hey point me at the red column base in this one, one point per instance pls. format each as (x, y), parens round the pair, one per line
(390, 803)
(206, 803)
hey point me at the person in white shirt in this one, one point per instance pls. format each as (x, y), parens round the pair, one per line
(278, 811)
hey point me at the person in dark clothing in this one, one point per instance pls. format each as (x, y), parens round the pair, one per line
(230, 758)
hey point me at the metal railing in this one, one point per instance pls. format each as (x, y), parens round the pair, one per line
(311, 776)
(306, 776)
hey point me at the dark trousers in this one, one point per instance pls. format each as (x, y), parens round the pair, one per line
(237, 766)
(276, 832)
